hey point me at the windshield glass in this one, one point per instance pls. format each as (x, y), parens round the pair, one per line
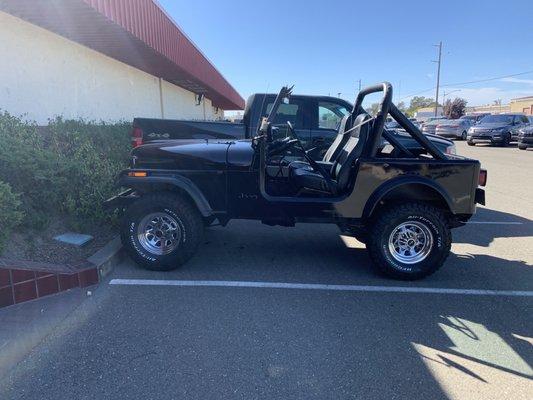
(492, 119)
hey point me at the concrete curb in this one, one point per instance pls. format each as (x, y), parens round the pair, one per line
(107, 257)
(22, 281)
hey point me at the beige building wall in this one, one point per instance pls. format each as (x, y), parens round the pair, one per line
(522, 105)
(43, 75)
(490, 108)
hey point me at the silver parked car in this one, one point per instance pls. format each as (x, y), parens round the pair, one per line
(454, 128)
(430, 126)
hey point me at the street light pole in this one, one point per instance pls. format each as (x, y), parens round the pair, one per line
(438, 78)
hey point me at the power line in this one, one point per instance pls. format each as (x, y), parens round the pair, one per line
(469, 83)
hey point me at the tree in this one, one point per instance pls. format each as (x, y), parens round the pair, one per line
(401, 106)
(455, 108)
(418, 102)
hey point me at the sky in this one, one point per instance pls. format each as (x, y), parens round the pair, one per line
(324, 48)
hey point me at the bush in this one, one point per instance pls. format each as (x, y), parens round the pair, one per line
(10, 215)
(66, 168)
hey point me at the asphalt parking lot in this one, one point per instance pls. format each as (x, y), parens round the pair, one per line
(374, 339)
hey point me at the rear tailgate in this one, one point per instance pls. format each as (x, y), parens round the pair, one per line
(151, 129)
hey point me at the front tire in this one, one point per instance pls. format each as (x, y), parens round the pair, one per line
(506, 141)
(161, 231)
(522, 147)
(463, 135)
(409, 241)
(471, 143)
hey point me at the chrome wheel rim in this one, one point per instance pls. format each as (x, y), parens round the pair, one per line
(410, 242)
(159, 233)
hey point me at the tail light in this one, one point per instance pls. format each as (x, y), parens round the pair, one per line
(451, 149)
(136, 137)
(482, 180)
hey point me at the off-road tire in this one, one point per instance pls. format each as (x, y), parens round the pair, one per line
(384, 224)
(470, 143)
(179, 208)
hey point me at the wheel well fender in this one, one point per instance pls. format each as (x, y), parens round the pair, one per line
(405, 189)
(179, 184)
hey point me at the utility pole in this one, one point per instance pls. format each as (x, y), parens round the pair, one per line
(438, 78)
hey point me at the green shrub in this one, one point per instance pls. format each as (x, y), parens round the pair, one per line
(10, 214)
(66, 168)
(91, 156)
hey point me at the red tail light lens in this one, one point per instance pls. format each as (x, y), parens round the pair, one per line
(482, 180)
(136, 137)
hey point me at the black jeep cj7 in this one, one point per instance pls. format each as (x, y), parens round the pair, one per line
(400, 204)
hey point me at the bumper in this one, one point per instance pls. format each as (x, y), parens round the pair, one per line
(449, 134)
(480, 196)
(485, 139)
(525, 141)
(121, 200)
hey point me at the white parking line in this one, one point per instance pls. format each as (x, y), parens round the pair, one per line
(319, 286)
(495, 223)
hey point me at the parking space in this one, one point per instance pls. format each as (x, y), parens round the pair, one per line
(193, 340)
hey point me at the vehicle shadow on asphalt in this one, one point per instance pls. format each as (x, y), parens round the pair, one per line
(486, 233)
(468, 341)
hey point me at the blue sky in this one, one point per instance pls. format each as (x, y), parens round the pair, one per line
(326, 47)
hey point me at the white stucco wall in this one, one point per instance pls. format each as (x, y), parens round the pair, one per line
(43, 75)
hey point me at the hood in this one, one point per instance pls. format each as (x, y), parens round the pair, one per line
(491, 125)
(181, 154)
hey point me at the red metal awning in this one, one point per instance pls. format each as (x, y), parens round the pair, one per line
(136, 32)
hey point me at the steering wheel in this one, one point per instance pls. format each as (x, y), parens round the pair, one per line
(280, 146)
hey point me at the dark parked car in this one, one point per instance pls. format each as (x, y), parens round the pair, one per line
(525, 136)
(500, 129)
(522, 132)
(315, 120)
(400, 203)
(454, 128)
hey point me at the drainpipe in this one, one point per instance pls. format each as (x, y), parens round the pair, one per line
(203, 104)
(161, 97)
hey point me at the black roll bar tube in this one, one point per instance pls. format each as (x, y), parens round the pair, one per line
(380, 118)
(415, 133)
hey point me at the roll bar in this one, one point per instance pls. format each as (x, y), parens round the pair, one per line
(415, 132)
(384, 107)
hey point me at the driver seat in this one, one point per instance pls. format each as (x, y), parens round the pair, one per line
(340, 170)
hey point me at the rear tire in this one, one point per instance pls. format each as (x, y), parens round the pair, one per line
(161, 231)
(409, 241)
(522, 147)
(471, 143)
(463, 135)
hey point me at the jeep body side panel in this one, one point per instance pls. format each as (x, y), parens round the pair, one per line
(454, 180)
(168, 129)
(202, 162)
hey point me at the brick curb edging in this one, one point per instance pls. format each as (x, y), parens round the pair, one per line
(22, 281)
